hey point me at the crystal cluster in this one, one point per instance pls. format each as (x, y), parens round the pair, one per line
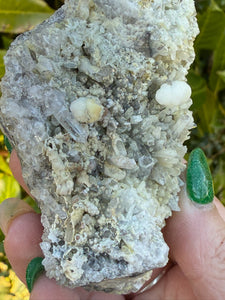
(94, 100)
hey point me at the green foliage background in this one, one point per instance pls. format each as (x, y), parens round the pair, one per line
(206, 77)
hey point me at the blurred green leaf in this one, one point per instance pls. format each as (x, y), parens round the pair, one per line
(32, 203)
(215, 81)
(6, 40)
(2, 236)
(1, 137)
(199, 89)
(58, 3)
(212, 26)
(202, 5)
(221, 75)
(207, 114)
(2, 67)
(17, 16)
(2, 250)
(4, 167)
(55, 3)
(9, 187)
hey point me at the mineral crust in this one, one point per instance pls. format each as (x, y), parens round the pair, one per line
(100, 152)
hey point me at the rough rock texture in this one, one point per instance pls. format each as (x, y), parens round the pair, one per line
(100, 155)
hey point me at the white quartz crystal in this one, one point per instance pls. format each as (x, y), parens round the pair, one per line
(95, 103)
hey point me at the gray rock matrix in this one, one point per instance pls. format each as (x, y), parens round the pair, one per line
(94, 100)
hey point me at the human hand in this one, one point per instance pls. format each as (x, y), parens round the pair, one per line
(195, 235)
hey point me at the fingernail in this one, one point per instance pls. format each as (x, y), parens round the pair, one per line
(7, 144)
(34, 270)
(199, 183)
(10, 209)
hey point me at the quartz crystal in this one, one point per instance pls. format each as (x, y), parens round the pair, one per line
(100, 152)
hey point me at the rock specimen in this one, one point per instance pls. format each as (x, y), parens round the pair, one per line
(95, 102)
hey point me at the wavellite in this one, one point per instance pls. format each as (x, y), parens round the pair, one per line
(96, 104)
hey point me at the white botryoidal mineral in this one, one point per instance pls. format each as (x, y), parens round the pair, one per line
(87, 109)
(176, 93)
(95, 103)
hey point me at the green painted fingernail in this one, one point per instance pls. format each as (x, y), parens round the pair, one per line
(8, 145)
(199, 179)
(34, 270)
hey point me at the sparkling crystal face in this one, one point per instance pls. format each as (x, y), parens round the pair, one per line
(100, 155)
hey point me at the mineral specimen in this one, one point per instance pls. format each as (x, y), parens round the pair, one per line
(95, 102)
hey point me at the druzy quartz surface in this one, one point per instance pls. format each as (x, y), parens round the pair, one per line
(96, 104)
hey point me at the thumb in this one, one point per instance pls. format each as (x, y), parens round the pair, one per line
(196, 237)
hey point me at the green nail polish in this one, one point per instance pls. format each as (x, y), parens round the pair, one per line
(34, 270)
(199, 178)
(8, 145)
